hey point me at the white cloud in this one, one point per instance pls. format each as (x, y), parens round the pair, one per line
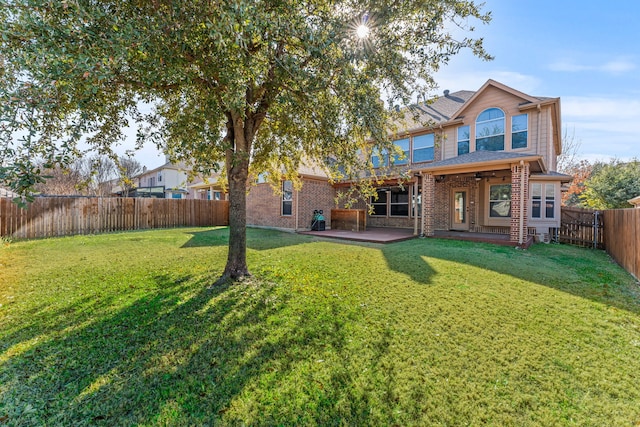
(606, 127)
(615, 66)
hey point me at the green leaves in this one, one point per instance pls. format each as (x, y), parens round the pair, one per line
(611, 185)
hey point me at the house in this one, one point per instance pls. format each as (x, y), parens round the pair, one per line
(635, 202)
(7, 193)
(168, 181)
(478, 162)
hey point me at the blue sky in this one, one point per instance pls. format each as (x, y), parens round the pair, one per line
(585, 52)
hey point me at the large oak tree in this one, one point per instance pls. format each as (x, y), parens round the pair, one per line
(250, 84)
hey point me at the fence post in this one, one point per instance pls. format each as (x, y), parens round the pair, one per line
(595, 230)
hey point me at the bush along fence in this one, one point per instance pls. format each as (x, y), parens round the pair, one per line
(615, 230)
(64, 216)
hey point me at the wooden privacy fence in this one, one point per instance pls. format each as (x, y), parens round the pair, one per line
(52, 216)
(581, 227)
(622, 238)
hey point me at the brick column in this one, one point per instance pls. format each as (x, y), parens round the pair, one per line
(519, 184)
(428, 203)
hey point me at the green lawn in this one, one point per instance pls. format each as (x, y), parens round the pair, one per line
(121, 329)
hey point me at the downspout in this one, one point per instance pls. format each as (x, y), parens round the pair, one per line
(297, 213)
(521, 225)
(422, 207)
(415, 205)
(538, 128)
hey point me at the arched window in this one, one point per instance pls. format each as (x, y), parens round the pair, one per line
(490, 130)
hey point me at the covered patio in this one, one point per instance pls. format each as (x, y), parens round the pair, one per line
(391, 235)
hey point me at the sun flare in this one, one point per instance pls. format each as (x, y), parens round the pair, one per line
(362, 31)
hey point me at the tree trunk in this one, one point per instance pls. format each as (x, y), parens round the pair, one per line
(236, 267)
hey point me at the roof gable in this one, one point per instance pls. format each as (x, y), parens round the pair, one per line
(526, 99)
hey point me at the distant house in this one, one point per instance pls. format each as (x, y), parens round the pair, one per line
(635, 202)
(169, 181)
(485, 162)
(7, 193)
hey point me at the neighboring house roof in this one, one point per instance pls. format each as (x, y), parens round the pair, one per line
(484, 160)
(635, 201)
(168, 165)
(7, 193)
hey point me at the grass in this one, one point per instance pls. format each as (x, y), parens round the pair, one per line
(121, 329)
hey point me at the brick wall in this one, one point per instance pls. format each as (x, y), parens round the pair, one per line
(444, 198)
(516, 184)
(264, 207)
(315, 194)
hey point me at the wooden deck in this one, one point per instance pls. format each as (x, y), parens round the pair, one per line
(390, 235)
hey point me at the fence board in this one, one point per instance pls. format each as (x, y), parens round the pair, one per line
(581, 227)
(622, 238)
(56, 216)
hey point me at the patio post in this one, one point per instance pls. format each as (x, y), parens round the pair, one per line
(428, 203)
(519, 197)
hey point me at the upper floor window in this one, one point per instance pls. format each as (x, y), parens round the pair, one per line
(519, 127)
(379, 157)
(287, 197)
(159, 176)
(403, 144)
(152, 181)
(490, 130)
(423, 146)
(463, 140)
(262, 178)
(549, 195)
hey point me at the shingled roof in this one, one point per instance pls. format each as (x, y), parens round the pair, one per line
(435, 111)
(484, 157)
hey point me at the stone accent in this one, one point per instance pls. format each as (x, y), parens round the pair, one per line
(516, 184)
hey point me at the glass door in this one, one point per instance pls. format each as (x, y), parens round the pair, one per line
(460, 209)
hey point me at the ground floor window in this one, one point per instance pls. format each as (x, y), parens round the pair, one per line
(379, 204)
(549, 200)
(399, 203)
(392, 202)
(500, 201)
(416, 203)
(287, 198)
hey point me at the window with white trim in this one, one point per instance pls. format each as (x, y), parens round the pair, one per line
(399, 202)
(403, 145)
(490, 130)
(379, 204)
(416, 203)
(537, 195)
(463, 140)
(519, 127)
(423, 148)
(287, 198)
(379, 157)
(500, 201)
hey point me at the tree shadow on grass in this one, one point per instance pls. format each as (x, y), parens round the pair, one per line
(257, 239)
(188, 355)
(576, 271)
